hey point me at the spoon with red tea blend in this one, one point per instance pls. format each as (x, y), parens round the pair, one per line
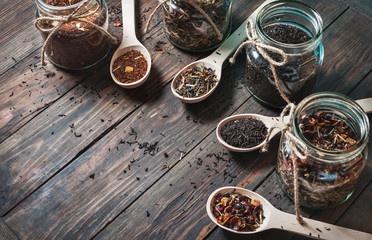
(131, 46)
(275, 123)
(273, 218)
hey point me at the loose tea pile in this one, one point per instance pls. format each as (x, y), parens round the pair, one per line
(296, 78)
(237, 211)
(327, 132)
(322, 184)
(244, 132)
(195, 81)
(187, 27)
(130, 67)
(61, 3)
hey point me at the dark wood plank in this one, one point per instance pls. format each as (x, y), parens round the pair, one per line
(177, 201)
(361, 6)
(94, 100)
(5, 232)
(22, 186)
(115, 184)
(364, 89)
(348, 57)
(29, 88)
(358, 216)
(18, 35)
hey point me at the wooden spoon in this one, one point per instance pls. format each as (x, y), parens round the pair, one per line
(130, 42)
(276, 219)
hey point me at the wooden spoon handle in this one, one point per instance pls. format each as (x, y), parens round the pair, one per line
(313, 228)
(128, 10)
(366, 104)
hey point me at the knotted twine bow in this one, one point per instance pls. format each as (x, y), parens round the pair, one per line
(192, 4)
(74, 16)
(293, 141)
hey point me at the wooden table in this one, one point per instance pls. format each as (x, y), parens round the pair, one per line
(67, 170)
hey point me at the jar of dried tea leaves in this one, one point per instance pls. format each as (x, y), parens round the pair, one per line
(197, 25)
(296, 29)
(76, 43)
(335, 131)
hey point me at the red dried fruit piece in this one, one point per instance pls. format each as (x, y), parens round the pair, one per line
(118, 24)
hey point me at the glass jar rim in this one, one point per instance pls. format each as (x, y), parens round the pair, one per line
(314, 18)
(47, 7)
(333, 97)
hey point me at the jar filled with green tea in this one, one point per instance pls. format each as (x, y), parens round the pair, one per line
(197, 25)
(80, 42)
(296, 29)
(335, 131)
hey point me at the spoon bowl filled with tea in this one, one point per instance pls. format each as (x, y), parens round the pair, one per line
(247, 132)
(242, 211)
(191, 88)
(131, 63)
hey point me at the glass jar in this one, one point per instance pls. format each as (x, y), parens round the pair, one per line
(75, 45)
(296, 29)
(326, 178)
(197, 25)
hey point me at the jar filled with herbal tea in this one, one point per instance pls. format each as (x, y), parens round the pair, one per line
(74, 31)
(197, 25)
(295, 29)
(335, 131)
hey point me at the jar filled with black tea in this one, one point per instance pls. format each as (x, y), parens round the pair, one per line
(335, 131)
(75, 44)
(296, 29)
(197, 25)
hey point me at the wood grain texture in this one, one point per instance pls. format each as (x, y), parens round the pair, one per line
(174, 208)
(122, 168)
(64, 154)
(348, 53)
(100, 161)
(39, 149)
(358, 214)
(18, 35)
(5, 232)
(364, 89)
(361, 6)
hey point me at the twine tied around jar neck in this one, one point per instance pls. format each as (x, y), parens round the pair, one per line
(295, 154)
(262, 49)
(192, 3)
(74, 16)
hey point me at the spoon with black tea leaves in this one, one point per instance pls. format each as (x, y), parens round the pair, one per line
(130, 42)
(276, 219)
(274, 123)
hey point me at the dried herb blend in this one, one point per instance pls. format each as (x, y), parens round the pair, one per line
(130, 67)
(327, 132)
(195, 82)
(297, 77)
(244, 132)
(61, 3)
(322, 184)
(188, 28)
(237, 211)
(76, 44)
